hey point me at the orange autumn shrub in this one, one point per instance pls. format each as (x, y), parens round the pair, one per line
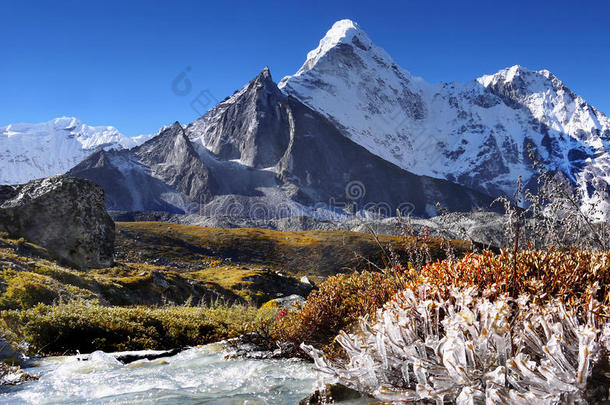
(543, 274)
(338, 304)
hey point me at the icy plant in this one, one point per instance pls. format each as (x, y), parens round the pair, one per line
(467, 348)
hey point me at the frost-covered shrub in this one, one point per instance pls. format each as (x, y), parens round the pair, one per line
(555, 213)
(427, 346)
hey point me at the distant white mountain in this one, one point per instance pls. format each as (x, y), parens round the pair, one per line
(30, 151)
(474, 133)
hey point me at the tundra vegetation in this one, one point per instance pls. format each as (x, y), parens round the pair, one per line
(172, 286)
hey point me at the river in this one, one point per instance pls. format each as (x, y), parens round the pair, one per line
(195, 376)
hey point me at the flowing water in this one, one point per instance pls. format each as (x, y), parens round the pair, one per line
(196, 376)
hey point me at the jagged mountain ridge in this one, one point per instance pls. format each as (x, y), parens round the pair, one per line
(32, 151)
(474, 133)
(263, 154)
(163, 174)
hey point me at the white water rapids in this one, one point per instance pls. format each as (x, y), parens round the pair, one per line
(196, 376)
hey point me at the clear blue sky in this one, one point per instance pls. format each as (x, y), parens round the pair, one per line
(113, 62)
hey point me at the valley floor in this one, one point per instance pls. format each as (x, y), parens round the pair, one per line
(172, 285)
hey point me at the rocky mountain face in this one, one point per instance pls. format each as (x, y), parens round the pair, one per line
(475, 133)
(62, 214)
(33, 151)
(264, 154)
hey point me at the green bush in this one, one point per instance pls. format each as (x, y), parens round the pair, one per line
(24, 290)
(87, 327)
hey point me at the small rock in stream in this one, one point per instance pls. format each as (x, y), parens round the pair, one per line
(131, 357)
(256, 346)
(332, 393)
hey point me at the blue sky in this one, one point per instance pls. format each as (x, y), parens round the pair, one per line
(113, 62)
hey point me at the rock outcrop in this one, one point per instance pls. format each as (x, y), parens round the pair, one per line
(13, 375)
(163, 174)
(288, 302)
(63, 214)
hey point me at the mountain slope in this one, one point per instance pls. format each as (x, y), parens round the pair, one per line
(30, 151)
(474, 133)
(263, 154)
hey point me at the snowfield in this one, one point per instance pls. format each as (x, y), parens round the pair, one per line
(31, 151)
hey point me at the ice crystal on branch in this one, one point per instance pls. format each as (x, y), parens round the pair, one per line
(466, 348)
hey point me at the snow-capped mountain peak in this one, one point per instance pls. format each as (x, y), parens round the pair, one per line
(30, 151)
(524, 81)
(350, 80)
(343, 32)
(515, 72)
(474, 133)
(508, 74)
(348, 45)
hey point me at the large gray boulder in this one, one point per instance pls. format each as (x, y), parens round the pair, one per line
(63, 214)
